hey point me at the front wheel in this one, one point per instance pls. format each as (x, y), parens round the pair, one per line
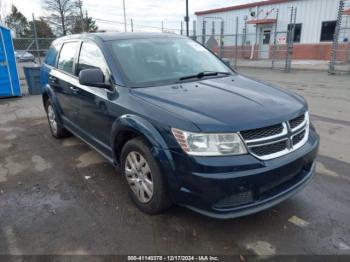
(147, 185)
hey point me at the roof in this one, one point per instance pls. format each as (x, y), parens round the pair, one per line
(243, 6)
(107, 36)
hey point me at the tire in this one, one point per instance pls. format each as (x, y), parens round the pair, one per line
(57, 130)
(139, 177)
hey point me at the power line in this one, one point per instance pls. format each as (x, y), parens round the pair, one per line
(140, 25)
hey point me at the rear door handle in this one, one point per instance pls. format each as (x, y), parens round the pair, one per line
(74, 89)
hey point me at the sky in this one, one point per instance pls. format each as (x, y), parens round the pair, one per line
(143, 12)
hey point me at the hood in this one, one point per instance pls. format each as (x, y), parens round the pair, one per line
(225, 104)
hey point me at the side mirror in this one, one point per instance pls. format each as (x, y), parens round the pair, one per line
(92, 77)
(227, 62)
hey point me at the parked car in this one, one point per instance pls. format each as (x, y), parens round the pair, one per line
(180, 124)
(24, 56)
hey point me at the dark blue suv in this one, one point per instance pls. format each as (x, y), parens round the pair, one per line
(180, 124)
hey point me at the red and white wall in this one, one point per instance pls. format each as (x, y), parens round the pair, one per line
(310, 13)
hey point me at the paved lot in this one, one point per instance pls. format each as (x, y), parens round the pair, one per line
(59, 197)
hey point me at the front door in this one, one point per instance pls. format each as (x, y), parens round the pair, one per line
(265, 38)
(93, 113)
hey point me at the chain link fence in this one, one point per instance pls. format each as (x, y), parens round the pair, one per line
(270, 50)
(340, 54)
(241, 49)
(28, 52)
(267, 47)
(31, 49)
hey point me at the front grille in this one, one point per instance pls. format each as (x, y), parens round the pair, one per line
(297, 138)
(270, 148)
(277, 140)
(295, 122)
(262, 132)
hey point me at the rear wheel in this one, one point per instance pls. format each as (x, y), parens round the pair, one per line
(146, 183)
(57, 130)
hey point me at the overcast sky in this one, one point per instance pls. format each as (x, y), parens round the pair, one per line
(143, 12)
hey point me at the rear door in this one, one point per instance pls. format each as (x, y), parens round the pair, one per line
(49, 64)
(61, 79)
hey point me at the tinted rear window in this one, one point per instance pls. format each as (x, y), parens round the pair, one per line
(51, 56)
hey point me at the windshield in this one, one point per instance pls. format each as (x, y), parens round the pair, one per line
(159, 61)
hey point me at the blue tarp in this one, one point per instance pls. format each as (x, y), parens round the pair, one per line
(9, 82)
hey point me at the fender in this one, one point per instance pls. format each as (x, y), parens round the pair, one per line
(145, 129)
(137, 125)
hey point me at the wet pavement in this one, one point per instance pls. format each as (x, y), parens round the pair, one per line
(60, 197)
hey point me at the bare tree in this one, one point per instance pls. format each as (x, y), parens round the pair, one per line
(62, 14)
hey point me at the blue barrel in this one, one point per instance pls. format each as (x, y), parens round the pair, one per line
(32, 74)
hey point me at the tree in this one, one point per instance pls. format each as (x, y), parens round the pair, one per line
(88, 22)
(16, 21)
(62, 15)
(43, 29)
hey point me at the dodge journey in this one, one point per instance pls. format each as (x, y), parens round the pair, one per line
(178, 123)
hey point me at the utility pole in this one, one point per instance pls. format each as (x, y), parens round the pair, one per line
(162, 26)
(132, 25)
(194, 30)
(36, 39)
(124, 16)
(335, 44)
(80, 6)
(290, 39)
(187, 19)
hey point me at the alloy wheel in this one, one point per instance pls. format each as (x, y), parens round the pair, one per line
(52, 119)
(139, 176)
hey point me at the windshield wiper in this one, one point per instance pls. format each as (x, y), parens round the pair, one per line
(203, 74)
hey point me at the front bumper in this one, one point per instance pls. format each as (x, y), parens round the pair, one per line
(234, 186)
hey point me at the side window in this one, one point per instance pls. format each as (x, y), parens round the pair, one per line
(327, 32)
(66, 58)
(92, 57)
(51, 55)
(297, 32)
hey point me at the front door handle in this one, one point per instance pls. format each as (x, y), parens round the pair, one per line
(74, 89)
(53, 79)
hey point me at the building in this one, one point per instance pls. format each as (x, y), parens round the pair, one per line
(261, 23)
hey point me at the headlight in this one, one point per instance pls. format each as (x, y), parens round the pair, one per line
(207, 144)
